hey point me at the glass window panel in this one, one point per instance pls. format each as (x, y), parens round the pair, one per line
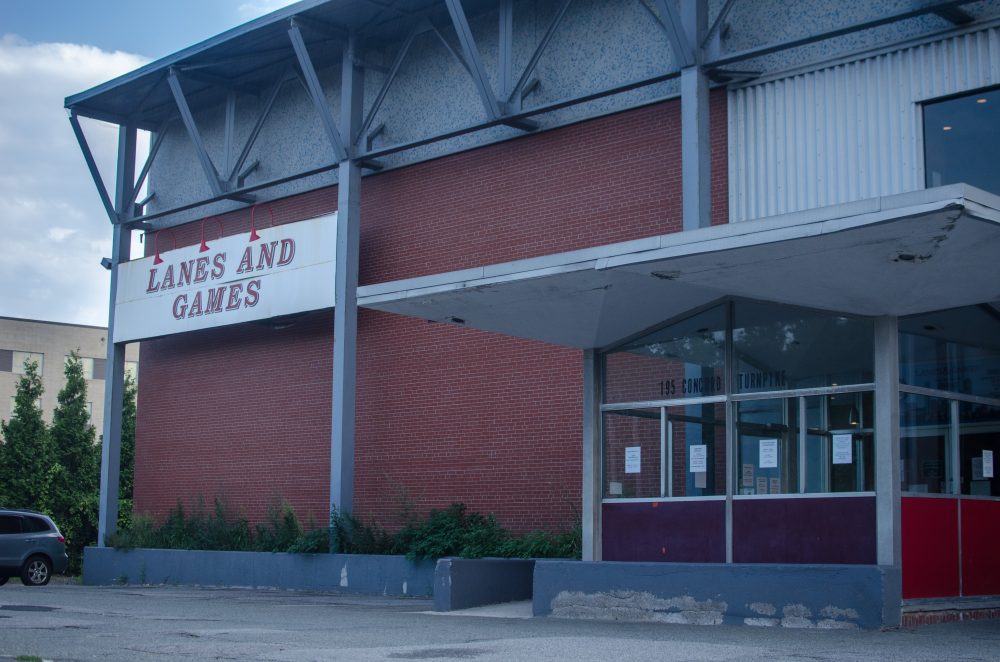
(952, 350)
(782, 347)
(696, 439)
(20, 358)
(87, 364)
(961, 141)
(979, 432)
(767, 446)
(839, 444)
(925, 443)
(683, 360)
(632, 443)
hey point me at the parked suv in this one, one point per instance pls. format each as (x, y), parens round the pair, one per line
(30, 547)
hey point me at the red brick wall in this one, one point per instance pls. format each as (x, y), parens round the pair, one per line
(444, 413)
(240, 412)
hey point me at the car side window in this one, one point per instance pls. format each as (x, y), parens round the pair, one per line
(10, 524)
(35, 525)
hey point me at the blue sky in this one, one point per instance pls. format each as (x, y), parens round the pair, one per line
(53, 229)
(124, 24)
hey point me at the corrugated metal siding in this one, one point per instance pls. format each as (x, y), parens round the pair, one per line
(849, 131)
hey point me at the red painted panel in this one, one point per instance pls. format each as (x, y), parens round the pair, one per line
(930, 547)
(980, 547)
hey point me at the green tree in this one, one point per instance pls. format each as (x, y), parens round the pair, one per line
(26, 458)
(126, 478)
(75, 487)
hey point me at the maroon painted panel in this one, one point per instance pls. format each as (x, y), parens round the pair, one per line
(679, 531)
(813, 530)
(980, 547)
(930, 547)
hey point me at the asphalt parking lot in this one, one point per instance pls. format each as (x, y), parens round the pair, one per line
(65, 621)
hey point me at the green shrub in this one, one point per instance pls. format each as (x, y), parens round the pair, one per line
(452, 531)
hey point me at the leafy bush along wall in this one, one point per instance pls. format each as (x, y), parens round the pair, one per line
(449, 532)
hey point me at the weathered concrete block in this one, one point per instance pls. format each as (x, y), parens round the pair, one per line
(793, 596)
(354, 573)
(465, 583)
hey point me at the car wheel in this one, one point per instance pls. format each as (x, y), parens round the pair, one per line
(3, 580)
(36, 571)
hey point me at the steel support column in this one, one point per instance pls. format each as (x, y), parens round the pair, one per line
(887, 489)
(591, 524)
(345, 312)
(696, 153)
(114, 376)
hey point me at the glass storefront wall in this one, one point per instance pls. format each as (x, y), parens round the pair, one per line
(949, 365)
(797, 385)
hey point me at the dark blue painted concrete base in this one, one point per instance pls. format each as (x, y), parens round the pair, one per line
(354, 573)
(801, 596)
(465, 583)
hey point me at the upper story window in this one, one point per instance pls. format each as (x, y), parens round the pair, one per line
(20, 358)
(88, 366)
(962, 139)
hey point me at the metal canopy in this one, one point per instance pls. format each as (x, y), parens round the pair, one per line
(895, 255)
(248, 57)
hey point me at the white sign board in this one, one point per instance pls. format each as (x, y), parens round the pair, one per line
(633, 459)
(768, 453)
(842, 449)
(699, 458)
(987, 464)
(290, 269)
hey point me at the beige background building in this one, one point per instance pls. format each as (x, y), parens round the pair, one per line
(49, 343)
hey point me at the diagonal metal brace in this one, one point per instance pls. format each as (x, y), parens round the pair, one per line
(211, 174)
(88, 156)
(526, 76)
(683, 53)
(472, 59)
(315, 90)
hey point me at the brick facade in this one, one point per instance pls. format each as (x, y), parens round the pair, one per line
(444, 413)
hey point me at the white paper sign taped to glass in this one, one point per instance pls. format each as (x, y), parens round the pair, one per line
(842, 449)
(987, 464)
(768, 453)
(289, 269)
(633, 459)
(698, 454)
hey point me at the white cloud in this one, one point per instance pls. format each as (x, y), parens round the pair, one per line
(53, 229)
(251, 10)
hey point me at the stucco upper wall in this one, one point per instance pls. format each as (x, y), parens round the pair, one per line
(598, 46)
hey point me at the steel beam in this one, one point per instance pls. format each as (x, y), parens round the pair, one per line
(592, 456)
(505, 52)
(696, 154)
(315, 90)
(345, 310)
(153, 151)
(228, 128)
(211, 173)
(114, 376)
(887, 454)
(680, 40)
(716, 28)
(258, 125)
(515, 94)
(390, 77)
(95, 174)
(472, 59)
